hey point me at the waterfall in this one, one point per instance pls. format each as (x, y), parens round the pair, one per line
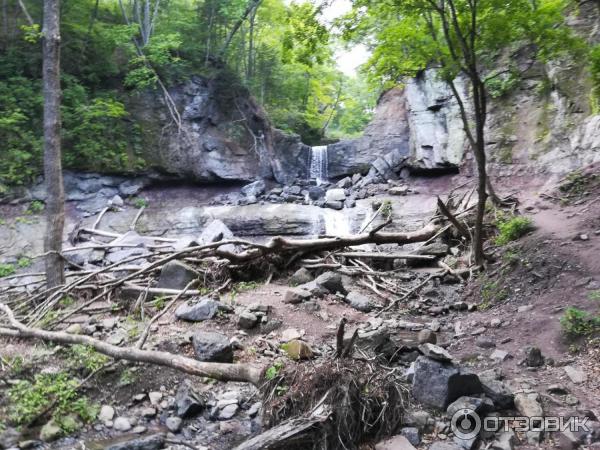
(318, 164)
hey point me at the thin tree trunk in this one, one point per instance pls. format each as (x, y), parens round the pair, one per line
(26, 13)
(480, 158)
(55, 204)
(250, 68)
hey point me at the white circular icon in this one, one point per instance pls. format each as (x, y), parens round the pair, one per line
(465, 424)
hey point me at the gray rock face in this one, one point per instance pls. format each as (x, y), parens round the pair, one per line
(153, 442)
(176, 275)
(437, 384)
(212, 347)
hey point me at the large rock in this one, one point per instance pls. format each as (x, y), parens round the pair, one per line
(204, 309)
(212, 347)
(437, 383)
(358, 301)
(188, 402)
(331, 281)
(176, 275)
(215, 231)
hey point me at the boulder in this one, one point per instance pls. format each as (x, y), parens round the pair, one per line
(358, 301)
(176, 275)
(247, 320)
(301, 276)
(212, 347)
(203, 309)
(331, 281)
(437, 383)
(316, 192)
(188, 402)
(498, 392)
(152, 442)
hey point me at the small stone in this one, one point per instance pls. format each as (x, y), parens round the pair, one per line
(75, 328)
(122, 424)
(290, 334)
(204, 309)
(485, 343)
(212, 347)
(187, 401)
(117, 201)
(478, 331)
(173, 424)
(499, 355)
(571, 400)
(297, 295)
(495, 323)
(106, 413)
(412, 434)
(140, 429)
(155, 397)
(523, 309)
(358, 301)
(228, 411)
(301, 276)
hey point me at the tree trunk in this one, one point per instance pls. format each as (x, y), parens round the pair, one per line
(55, 207)
(480, 157)
(252, 4)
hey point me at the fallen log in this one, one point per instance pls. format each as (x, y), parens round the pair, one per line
(375, 255)
(218, 371)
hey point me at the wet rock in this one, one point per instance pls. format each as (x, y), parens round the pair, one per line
(204, 309)
(122, 424)
(358, 301)
(301, 276)
(437, 383)
(297, 350)
(247, 320)
(295, 296)
(435, 352)
(106, 413)
(427, 337)
(188, 402)
(50, 432)
(176, 275)
(255, 189)
(212, 347)
(395, 443)
(331, 281)
(533, 357)
(153, 442)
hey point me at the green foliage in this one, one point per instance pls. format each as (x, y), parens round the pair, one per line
(578, 323)
(512, 228)
(127, 377)
(594, 295)
(24, 262)
(501, 85)
(35, 207)
(6, 270)
(273, 371)
(27, 400)
(595, 73)
(140, 202)
(84, 356)
(492, 292)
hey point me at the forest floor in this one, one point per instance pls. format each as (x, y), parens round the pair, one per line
(521, 298)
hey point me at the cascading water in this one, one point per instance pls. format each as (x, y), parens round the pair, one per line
(318, 164)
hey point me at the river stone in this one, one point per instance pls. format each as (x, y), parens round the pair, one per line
(335, 195)
(437, 383)
(331, 281)
(358, 301)
(107, 413)
(153, 442)
(316, 192)
(212, 347)
(331, 204)
(205, 309)
(255, 189)
(176, 275)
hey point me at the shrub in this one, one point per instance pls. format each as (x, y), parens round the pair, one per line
(512, 229)
(578, 323)
(6, 270)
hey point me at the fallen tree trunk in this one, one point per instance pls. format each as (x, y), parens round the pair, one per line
(217, 371)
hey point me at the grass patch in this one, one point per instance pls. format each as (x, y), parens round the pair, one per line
(577, 323)
(83, 356)
(512, 228)
(491, 292)
(56, 392)
(6, 270)
(140, 202)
